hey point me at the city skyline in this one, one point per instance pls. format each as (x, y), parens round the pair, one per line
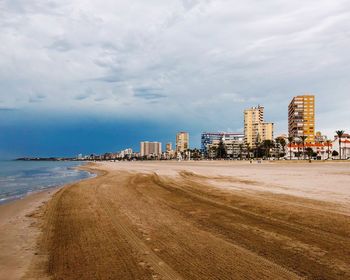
(198, 144)
(74, 79)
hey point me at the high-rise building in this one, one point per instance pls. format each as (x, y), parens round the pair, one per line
(301, 117)
(182, 142)
(255, 129)
(169, 147)
(150, 148)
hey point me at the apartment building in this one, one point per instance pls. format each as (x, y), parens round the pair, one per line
(301, 117)
(169, 147)
(182, 142)
(150, 148)
(256, 129)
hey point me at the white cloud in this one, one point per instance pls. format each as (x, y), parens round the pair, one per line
(204, 60)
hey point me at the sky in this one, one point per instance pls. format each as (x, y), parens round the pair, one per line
(79, 76)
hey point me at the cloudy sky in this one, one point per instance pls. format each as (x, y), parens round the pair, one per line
(94, 76)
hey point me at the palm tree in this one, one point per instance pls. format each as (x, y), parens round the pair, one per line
(340, 135)
(256, 147)
(277, 141)
(268, 144)
(283, 145)
(249, 150)
(240, 151)
(195, 153)
(221, 150)
(328, 142)
(290, 140)
(309, 152)
(297, 142)
(303, 138)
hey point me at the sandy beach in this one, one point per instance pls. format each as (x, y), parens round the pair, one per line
(184, 220)
(19, 232)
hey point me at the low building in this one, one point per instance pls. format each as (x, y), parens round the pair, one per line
(208, 138)
(320, 138)
(321, 150)
(345, 146)
(125, 153)
(233, 144)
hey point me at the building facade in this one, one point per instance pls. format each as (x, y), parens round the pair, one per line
(301, 117)
(125, 153)
(320, 138)
(169, 147)
(150, 148)
(322, 150)
(182, 142)
(344, 146)
(208, 138)
(256, 129)
(169, 152)
(234, 147)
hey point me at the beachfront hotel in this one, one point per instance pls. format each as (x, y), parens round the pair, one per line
(182, 142)
(150, 148)
(256, 129)
(301, 117)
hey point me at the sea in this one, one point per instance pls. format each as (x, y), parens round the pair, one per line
(20, 178)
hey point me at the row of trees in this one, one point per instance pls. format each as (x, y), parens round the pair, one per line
(340, 134)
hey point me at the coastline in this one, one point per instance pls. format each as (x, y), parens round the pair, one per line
(20, 179)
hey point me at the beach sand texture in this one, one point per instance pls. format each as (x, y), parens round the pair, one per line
(19, 231)
(198, 220)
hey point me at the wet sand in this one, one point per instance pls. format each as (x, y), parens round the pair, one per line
(19, 232)
(198, 220)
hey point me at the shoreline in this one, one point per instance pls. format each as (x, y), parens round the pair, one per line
(20, 230)
(19, 234)
(14, 198)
